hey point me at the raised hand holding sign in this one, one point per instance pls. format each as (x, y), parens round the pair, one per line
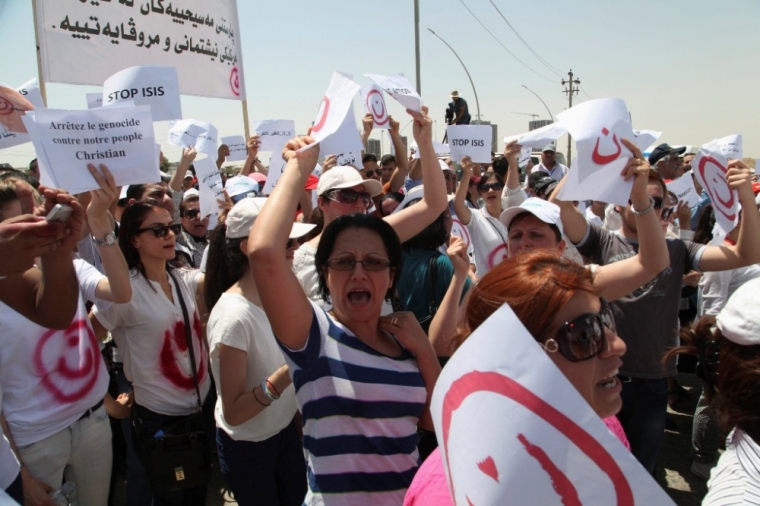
(334, 107)
(374, 104)
(397, 86)
(711, 167)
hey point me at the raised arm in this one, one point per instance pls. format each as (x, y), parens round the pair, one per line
(573, 221)
(747, 248)
(282, 296)
(512, 195)
(412, 220)
(188, 155)
(621, 278)
(367, 123)
(463, 212)
(444, 323)
(252, 161)
(221, 155)
(116, 286)
(402, 163)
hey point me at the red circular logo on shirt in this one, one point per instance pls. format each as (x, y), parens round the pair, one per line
(174, 351)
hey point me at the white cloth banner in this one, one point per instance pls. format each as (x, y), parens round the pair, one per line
(374, 104)
(210, 186)
(237, 146)
(684, 189)
(31, 91)
(85, 42)
(336, 104)
(189, 132)
(274, 133)
(470, 140)
(397, 86)
(155, 86)
(710, 167)
(539, 137)
(119, 137)
(513, 430)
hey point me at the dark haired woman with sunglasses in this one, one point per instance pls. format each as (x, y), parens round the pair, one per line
(150, 331)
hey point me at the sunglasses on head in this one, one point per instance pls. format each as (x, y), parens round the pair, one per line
(349, 196)
(497, 187)
(583, 337)
(191, 213)
(370, 172)
(658, 202)
(161, 231)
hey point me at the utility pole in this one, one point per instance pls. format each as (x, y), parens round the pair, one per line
(416, 45)
(570, 92)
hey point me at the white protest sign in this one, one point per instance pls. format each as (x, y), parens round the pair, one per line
(120, 137)
(154, 86)
(276, 167)
(710, 167)
(210, 186)
(757, 166)
(539, 137)
(274, 133)
(31, 91)
(47, 178)
(85, 42)
(645, 138)
(354, 159)
(94, 100)
(374, 104)
(470, 140)
(237, 146)
(731, 147)
(336, 104)
(189, 132)
(317, 172)
(513, 430)
(397, 86)
(345, 139)
(684, 189)
(441, 150)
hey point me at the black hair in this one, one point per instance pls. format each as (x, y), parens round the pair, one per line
(359, 222)
(487, 177)
(130, 223)
(521, 216)
(225, 265)
(25, 176)
(705, 224)
(500, 166)
(397, 196)
(535, 177)
(431, 237)
(34, 161)
(315, 218)
(387, 159)
(369, 157)
(185, 201)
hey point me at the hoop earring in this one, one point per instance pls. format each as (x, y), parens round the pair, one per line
(549, 346)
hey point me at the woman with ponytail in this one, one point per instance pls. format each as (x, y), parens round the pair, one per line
(258, 440)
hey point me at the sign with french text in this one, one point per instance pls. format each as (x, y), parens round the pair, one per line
(374, 104)
(684, 189)
(710, 166)
(190, 132)
(397, 86)
(513, 430)
(154, 86)
(470, 140)
(274, 133)
(84, 42)
(31, 92)
(121, 138)
(210, 187)
(237, 146)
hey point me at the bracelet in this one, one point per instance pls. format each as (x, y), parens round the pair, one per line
(645, 211)
(272, 388)
(257, 399)
(270, 395)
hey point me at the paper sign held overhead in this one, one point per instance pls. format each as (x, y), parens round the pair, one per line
(276, 167)
(397, 86)
(346, 139)
(645, 138)
(94, 100)
(684, 189)
(13, 105)
(513, 430)
(190, 132)
(374, 104)
(154, 86)
(30, 91)
(441, 150)
(237, 146)
(731, 147)
(334, 107)
(354, 159)
(210, 186)
(710, 167)
(538, 138)
(120, 137)
(274, 133)
(470, 140)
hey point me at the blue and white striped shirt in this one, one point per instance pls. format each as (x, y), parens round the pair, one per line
(360, 410)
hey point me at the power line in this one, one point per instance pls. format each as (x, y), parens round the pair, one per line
(547, 64)
(502, 45)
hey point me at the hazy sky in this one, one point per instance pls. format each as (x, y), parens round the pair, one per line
(688, 68)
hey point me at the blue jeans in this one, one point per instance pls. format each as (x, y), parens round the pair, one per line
(645, 406)
(270, 472)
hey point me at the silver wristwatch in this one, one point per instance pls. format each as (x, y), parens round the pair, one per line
(108, 240)
(644, 211)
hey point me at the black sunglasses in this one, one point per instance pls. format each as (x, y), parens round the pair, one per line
(369, 172)
(667, 212)
(160, 231)
(583, 337)
(349, 196)
(191, 213)
(497, 187)
(658, 202)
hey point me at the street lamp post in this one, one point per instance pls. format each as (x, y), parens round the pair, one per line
(547, 107)
(477, 103)
(417, 44)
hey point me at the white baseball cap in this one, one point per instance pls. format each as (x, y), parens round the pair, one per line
(739, 320)
(540, 208)
(242, 216)
(191, 192)
(346, 177)
(240, 185)
(445, 166)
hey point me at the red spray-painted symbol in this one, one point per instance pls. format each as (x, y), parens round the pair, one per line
(478, 381)
(495, 258)
(716, 184)
(6, 107)
(380, 118)
(170, 359)
(68, 361)
(322, 116)
(600, 159)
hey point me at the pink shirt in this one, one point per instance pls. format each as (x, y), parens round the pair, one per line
(429, 487)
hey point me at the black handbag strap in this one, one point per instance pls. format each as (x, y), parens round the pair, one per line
(189, 340)
(431, 268)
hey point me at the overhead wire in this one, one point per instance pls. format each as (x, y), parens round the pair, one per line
(502, 45)
(546, 64)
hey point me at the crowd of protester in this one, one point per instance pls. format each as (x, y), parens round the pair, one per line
(299, 344)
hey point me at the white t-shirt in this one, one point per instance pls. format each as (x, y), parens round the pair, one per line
(489, 240)
(150, 333)
(736, 478)
(9, 464)
(237, 322)
(715, 288)
(50, 377)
